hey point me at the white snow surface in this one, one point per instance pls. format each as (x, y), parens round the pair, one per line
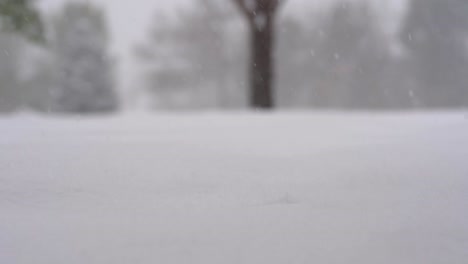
(228, 188)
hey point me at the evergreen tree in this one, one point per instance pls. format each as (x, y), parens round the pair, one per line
(10, 90)
(17, 18)
(85, 79)
(20, 16)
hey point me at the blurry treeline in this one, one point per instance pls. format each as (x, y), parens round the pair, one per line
(65, 68)
(339, 57)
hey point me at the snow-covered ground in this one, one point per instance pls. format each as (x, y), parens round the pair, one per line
(235, 188)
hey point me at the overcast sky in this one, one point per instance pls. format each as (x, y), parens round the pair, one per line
(130, 20)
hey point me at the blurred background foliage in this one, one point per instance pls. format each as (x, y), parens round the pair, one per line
(340, 57)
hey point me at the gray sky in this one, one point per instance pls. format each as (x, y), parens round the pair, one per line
(130, 20)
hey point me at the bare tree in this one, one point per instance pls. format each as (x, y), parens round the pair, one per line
(260, 15)
(434, 34)
(192, 61)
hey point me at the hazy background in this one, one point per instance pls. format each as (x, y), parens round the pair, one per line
(126, 34)
(336, 54)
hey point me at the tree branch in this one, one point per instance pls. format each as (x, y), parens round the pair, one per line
(244, 9)
(267, 7)
(272, 5)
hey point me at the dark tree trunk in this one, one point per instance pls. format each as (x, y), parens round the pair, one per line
(262, 66)
(260, 14)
